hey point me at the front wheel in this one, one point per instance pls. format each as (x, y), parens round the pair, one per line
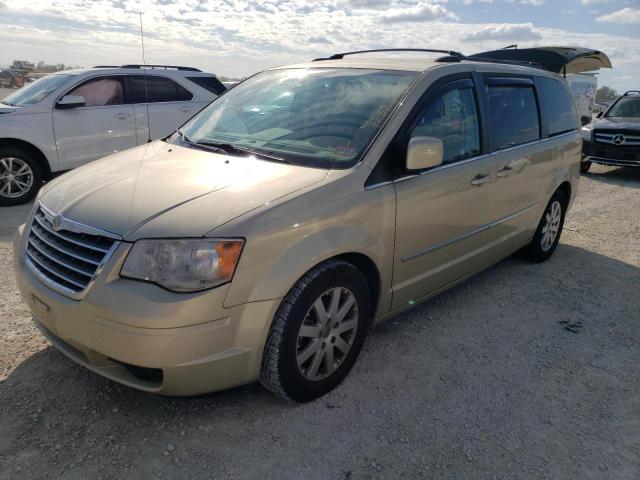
(20, 176)
(317, 333)
(547, 235)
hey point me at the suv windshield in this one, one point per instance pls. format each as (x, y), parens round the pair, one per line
(36, 91)
(316, 117)
(625, 107)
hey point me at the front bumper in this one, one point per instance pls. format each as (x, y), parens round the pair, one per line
(148, 338)
(619, 156)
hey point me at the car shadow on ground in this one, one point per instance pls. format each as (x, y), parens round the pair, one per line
(488, 356)
(621, 176)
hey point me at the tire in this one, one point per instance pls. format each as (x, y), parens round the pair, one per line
(287, 364)
(542, 246)
(21, 176)
(585, 166)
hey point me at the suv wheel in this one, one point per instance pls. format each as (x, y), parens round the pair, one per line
(585, 166)
(317, 332)
(547, 235)
(20, 176)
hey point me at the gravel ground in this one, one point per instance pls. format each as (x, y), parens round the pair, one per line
(481, 382)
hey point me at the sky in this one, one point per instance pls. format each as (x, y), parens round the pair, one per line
(237, 38)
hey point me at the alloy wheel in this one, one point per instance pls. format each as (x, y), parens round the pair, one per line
(327, 333)
(553, 217)
(16, 177)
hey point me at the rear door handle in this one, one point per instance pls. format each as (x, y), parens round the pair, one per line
(481, 178)
(122, 116)
(506, 171)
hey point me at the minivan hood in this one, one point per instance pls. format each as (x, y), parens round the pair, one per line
(122, 192)
(617, 123)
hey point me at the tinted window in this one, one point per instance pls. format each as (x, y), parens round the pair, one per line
(452, 118)
(211, 84)
(513, 115)
(558, 106)
(100, 92)
(158, 89)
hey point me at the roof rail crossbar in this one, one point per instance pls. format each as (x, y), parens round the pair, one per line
(166, 67)
(631, 92)
(340, 56)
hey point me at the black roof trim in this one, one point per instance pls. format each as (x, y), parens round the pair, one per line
(151, 66)
(340, 56)
(631, 92)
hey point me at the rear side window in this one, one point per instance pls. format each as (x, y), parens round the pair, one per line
(513, 115)
(557, 105)
(157, 89)
(211, 84)
(100, 92)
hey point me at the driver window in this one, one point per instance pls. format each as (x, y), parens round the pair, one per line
(453, 119)
(100, 92)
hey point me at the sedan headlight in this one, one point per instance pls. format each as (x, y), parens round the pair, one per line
(183, 265)
(586, 134)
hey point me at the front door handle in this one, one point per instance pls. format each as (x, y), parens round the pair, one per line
(506, 171)
(185, 110)
(122, 116)
(481, 178)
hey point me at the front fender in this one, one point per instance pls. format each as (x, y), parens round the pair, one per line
(22, 128)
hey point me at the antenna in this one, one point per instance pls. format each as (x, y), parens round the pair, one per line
(146, 91)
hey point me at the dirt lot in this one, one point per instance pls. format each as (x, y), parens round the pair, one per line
(481, 382)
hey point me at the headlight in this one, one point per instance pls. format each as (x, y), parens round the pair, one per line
(183, 265)
(586, 134)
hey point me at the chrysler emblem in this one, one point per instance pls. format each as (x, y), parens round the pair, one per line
(618, 139)
(56, 222)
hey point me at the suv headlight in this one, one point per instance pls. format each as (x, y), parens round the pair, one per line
(183, 265)
(586, 134)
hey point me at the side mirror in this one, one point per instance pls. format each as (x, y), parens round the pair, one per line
(424, 152)
(585, 121)
(599, 115)
(71, 101)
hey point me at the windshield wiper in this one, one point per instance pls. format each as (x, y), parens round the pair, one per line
(231, 149)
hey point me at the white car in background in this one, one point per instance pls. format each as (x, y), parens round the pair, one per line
(73, 117)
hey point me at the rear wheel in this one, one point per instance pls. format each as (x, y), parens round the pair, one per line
(547, 235)
(20, 176)
(317, 332)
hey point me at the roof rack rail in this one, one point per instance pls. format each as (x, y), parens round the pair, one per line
(106, 66)
(522, 63)
(340, 56)
(165, 67)
(631, 92)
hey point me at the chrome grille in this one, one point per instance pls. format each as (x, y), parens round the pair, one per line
(67, 259)
(629, 140)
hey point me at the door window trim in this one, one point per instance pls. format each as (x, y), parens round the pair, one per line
(130, 75)
(86, 80)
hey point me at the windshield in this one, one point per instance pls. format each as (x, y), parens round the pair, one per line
(36, 91)
(625, 107)
(314, 117)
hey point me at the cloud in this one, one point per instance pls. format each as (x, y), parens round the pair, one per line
(592, 2)
(626, 15)
(506, 32)
(422, 12)
(535, 3)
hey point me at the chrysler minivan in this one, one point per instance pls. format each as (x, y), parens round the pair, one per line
(262, 239)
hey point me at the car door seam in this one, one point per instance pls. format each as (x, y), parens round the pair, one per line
(466, 235)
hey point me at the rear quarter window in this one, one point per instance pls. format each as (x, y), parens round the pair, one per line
(212, 84)
(557, 105)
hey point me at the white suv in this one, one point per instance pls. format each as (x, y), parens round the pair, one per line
(73, 117)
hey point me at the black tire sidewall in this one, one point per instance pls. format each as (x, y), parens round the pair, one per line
(296, 386)
(36, 168)
(535, 253)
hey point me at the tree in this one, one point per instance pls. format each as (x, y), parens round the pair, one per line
(606, 94)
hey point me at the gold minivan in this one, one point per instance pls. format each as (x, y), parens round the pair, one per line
(263, 238)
